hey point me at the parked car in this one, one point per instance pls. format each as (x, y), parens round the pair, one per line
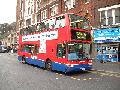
(3, 49)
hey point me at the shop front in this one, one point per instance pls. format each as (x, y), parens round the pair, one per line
(107, 43)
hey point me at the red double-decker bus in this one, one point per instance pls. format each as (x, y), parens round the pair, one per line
(62, 43)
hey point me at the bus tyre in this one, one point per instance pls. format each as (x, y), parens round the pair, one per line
(48, 65)
(23, 60)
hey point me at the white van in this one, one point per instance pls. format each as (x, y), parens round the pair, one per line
(3, 49)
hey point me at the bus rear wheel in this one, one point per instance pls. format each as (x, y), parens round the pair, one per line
(48, 65)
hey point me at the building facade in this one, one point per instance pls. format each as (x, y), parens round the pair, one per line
(10, 40)
(100, 12)
(107, 31)
(105, 13)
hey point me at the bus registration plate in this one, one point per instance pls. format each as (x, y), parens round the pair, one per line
(82, 69)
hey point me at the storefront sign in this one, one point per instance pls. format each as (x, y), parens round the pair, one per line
(106, 35)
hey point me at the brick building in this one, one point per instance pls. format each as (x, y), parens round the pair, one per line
(30, 12)
(106, 20)
(105, 12)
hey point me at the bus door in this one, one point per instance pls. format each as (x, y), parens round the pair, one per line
(61, 51)
(34, 52)
(61, 56)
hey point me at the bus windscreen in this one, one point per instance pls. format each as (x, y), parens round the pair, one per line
(78, 51)
(79, 22)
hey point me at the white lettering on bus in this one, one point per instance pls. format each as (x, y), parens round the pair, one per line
(46, 35)
(33, 57)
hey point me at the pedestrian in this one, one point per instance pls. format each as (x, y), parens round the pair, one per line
(8, 49)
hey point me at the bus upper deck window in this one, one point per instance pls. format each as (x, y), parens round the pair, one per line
(41, 26)
(31, 29)
(78, 22)
(22, 31)
(51, 23)
(60, 22)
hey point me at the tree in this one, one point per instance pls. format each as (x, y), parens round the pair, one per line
(6, 28)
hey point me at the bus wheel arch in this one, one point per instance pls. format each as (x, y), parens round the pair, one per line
(48, 64)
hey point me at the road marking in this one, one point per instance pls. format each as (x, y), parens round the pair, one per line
(84, 79)
(56, 78)
(90, 78)
(73, 78)
(117, 76)
(57, 73)
(106, 73)
(60, 74)
(78, 79)
(101, 75)
(111, 75)
(100, 70)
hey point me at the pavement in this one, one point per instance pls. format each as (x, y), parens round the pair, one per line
(107, 67)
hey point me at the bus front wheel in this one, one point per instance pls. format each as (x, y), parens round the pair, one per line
(23, 60)
(48, 65)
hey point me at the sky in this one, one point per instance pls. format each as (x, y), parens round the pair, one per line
(7, 11)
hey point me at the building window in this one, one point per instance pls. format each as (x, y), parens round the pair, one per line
(28, 22)
(32, 6)
(29, 7)
(103, 18)
(69, 4)
(21, 9)
(20, 24)
(29, 11)
(43, 14)
(37, 5)
(21, 15)
(87, 1)
(117, 15)
(21, 4)
(32, 9)
(109, 16)
(38, 18)
(54, 10)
